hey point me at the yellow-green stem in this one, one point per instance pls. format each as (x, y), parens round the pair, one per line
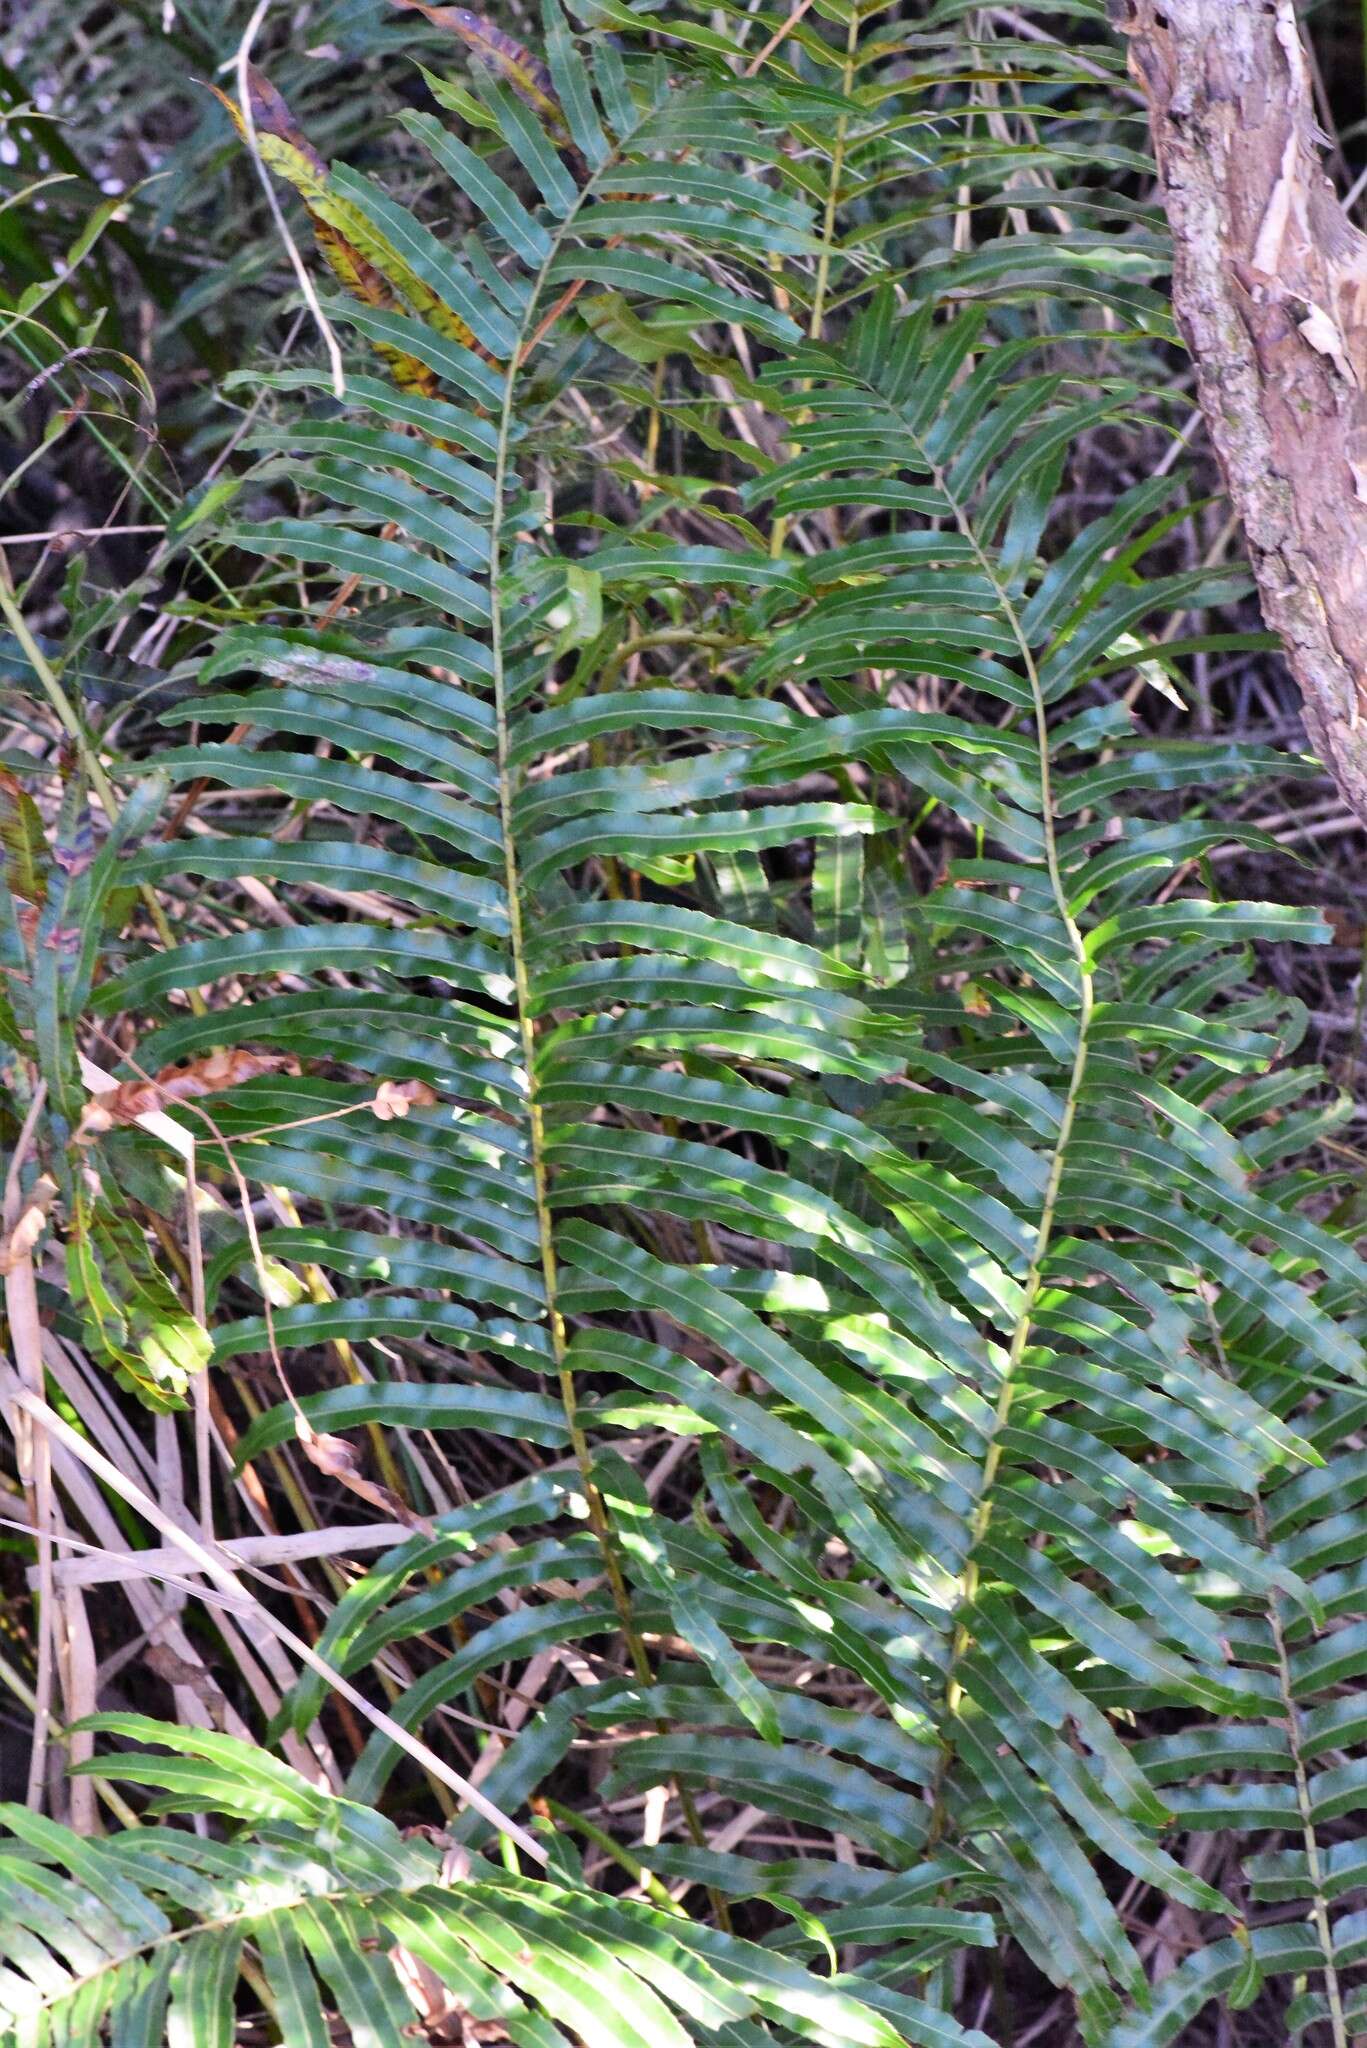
(1034, 1278)
(599, 1520)
(779, 532)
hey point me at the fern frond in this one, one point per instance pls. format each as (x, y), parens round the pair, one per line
(321, 1899)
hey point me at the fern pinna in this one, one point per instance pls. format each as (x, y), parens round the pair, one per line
(953, 1235)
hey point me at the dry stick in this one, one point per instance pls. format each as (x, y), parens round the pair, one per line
(302, 1595)
(21, 540)
(161, 1624)
(247, 1607)
(780, 35)
(104, 1424)
(199, 1386)
(240, 64)
(565, 300)
(251, 1554)
(31, 1446)
(80, 1680)
(87, 1396)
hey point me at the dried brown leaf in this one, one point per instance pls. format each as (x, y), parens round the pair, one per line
(396, 1098)
(22, 841)
(334, 1457)
(209, 1075)
(19, 1244)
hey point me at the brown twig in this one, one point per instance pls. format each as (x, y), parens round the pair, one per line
(780, 36)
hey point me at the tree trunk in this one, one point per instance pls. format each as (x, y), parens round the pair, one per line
(1270, 289)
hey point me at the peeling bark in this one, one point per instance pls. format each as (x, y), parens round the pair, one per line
(1270, 289)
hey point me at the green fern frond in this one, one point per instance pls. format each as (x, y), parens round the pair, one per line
(321, 1900)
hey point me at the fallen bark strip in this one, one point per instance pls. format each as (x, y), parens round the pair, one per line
(1270, 289)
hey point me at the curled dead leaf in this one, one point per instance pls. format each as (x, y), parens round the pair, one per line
(507, 59)
(333, 1456)
(177, 1670)
(396, 1098)
(1323, 333)
(1347, 930)
(270, 116)
(207, 1076)
(27, 1231)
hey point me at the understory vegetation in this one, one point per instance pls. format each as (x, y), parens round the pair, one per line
(684, 1323)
